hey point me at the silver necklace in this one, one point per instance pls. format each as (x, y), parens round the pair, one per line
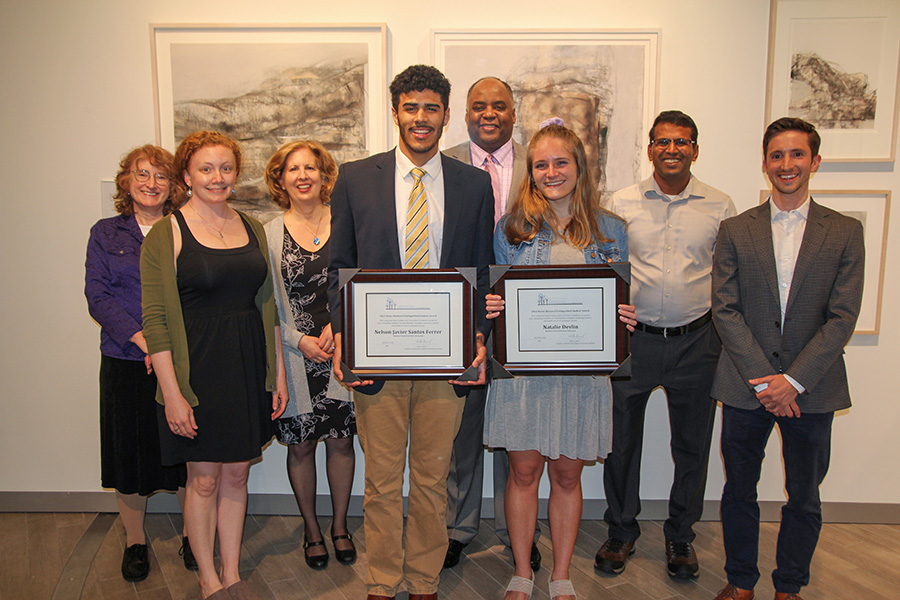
(208, 224)
(315, 233)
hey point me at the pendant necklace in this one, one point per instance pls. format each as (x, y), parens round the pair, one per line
(208, 224)
(315, 233)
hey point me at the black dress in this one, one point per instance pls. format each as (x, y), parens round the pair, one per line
(227, 350)
(305, 276)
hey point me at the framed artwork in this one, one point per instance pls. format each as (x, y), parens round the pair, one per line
(265, 85)
(872, 208)
(603, 84)
(408, 324)
(835, 64)
(560, 318)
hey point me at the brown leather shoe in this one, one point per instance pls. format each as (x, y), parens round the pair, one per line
(378, 597)
(681, 560)
(787, 596)
(432, 596)
(612, 556)
(729, 592)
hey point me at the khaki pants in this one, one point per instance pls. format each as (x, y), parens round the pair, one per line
(427, 414)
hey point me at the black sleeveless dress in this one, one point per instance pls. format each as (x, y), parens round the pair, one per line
(227, 350)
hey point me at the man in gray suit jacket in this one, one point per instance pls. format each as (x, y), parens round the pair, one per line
(490, 116)
(787, 286)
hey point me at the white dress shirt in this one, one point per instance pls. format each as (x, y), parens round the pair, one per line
(787, 235)
(671, 242)
(434, 191)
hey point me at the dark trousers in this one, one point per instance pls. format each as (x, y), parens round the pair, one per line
(806, 449)
(684, 367)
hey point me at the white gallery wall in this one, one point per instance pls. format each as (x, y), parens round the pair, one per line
(75, 93)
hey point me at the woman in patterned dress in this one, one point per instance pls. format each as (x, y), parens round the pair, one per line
(300, 176)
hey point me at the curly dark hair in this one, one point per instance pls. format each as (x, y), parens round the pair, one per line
(418, 78)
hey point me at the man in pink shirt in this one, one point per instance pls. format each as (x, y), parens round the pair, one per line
(490, 117)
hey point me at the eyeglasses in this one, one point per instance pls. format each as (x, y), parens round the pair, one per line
(143, 176)
(679, 142)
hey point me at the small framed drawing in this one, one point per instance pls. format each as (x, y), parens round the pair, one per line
(602, 83)
(408, 324)
(265, 85)
(560, 318)
(872, 208)
(835, 64)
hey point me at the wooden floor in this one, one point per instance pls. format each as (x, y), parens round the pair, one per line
(852, 562)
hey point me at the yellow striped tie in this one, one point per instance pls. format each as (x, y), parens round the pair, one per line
(417, 224)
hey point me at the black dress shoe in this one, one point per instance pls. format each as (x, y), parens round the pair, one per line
(317, 562)
(345, 557)
(190, 563)
(681, 560)
(454, 553)
(136, 563)
(612, 556)
(535, 558)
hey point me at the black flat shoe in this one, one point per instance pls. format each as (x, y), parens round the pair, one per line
(136, 563)
(454, 553)
(190, 563)
(345, 557)
(317, 562)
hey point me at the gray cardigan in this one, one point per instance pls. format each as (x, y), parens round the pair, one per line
(294, 361)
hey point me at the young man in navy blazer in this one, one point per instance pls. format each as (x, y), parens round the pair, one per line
(371, 201)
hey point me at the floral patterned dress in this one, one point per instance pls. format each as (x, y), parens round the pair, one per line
(305, 277)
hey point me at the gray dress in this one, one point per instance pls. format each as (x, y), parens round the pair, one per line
(557, 415)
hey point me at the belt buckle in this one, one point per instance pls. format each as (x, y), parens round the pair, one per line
(665, 333)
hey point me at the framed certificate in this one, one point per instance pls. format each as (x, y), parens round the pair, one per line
(405, 324)
(560, 318)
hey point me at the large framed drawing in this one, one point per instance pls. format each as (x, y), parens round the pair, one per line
(872, 208)
(265, 85)
(603, 84)
(835, 64)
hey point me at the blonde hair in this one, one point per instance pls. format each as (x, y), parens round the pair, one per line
(530, 210)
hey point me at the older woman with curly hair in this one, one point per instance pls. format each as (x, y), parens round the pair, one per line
(300, 176)
(129, 441)
(211, 333)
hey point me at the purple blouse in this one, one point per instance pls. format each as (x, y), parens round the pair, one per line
(112, 284)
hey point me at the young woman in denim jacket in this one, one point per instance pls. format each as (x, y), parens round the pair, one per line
(562, 420)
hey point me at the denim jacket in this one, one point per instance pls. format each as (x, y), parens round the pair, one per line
(537, 250)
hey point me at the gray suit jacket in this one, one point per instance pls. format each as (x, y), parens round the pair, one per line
(520, 155)
(821, 314)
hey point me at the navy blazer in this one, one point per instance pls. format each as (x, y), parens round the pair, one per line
(822, 308)
(364, 224)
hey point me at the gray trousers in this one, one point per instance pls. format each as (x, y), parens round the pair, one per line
(465, 482)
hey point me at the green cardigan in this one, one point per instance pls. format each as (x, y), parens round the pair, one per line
(161, 304)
